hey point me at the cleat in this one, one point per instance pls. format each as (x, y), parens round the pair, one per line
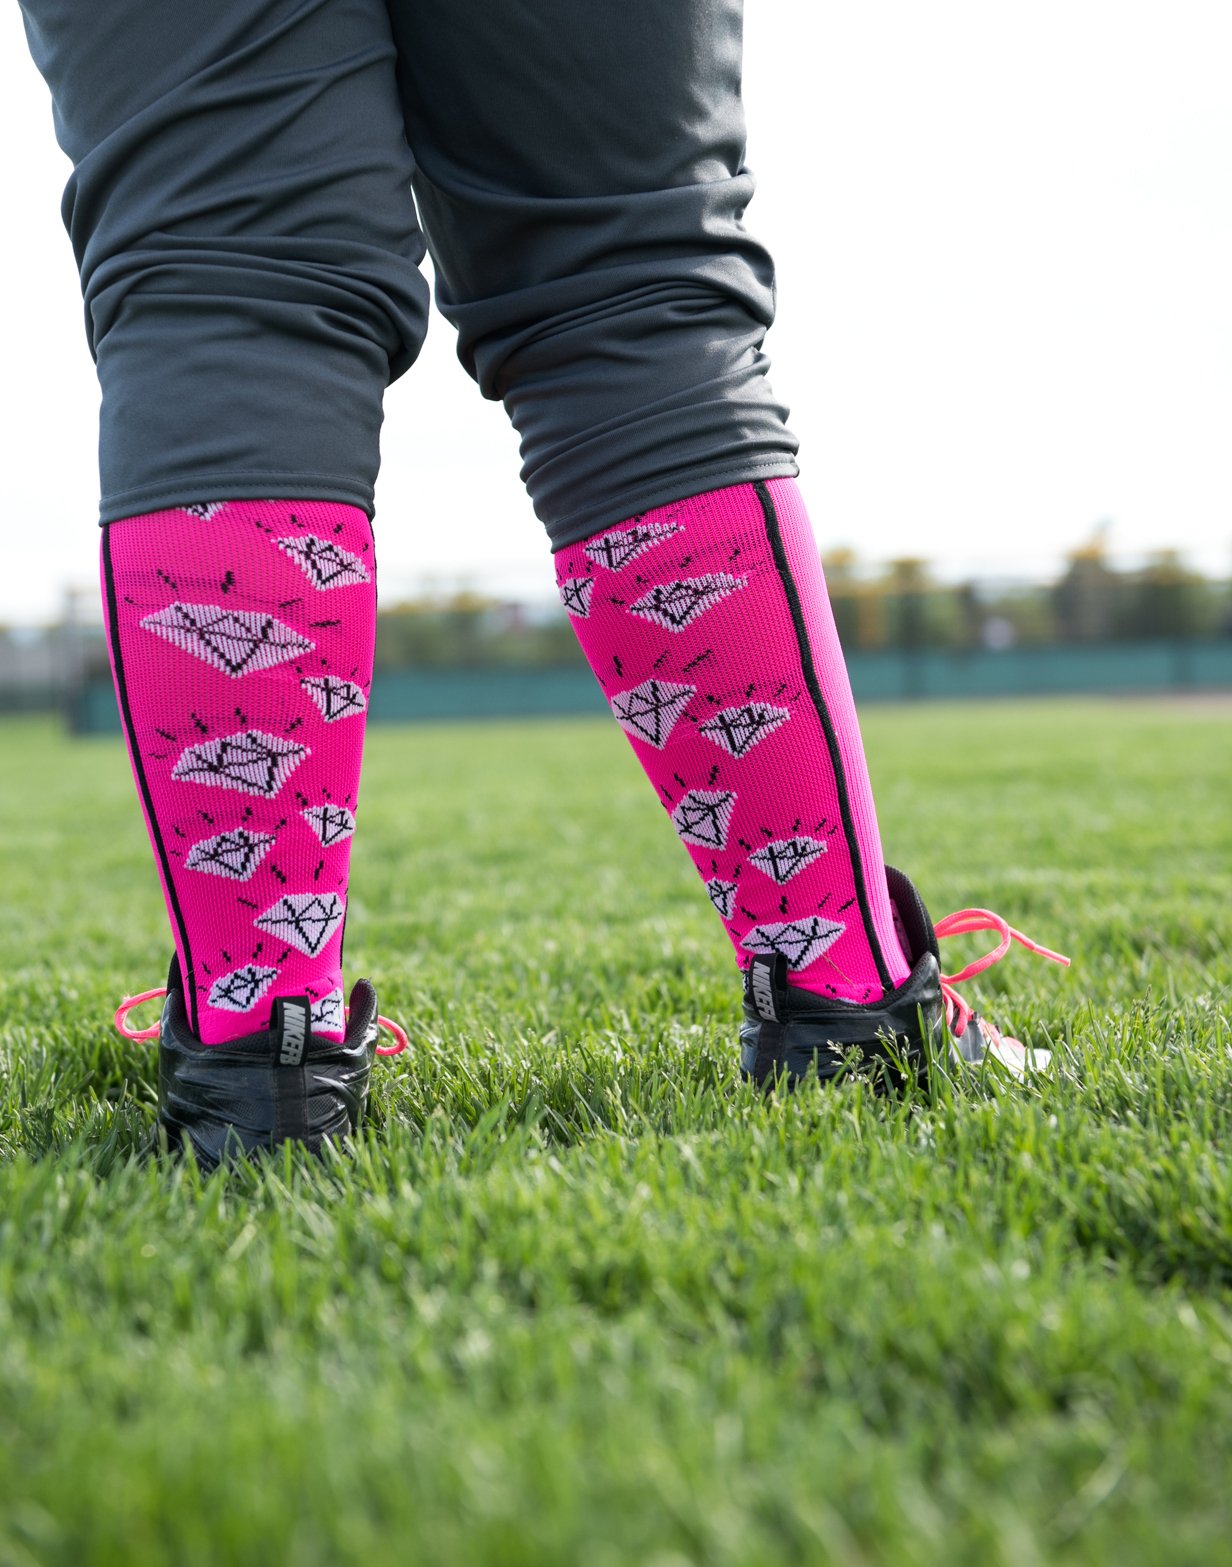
(788, 1033)
(974, 1041)
(981, 1042)
(281, 1084)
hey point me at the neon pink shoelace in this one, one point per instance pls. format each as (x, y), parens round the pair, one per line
(965, 922)
(125, 1007)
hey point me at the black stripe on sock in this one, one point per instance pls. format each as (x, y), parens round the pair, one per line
(823, 713)
(160, 848)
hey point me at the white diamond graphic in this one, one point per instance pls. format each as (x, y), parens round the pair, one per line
(703, 817)
(235, 855)
(723, 895)
(324, 563)
(675, 605)
(787, 857)
(738, 729)
(331, 823)
(231, 639)
(575, 595)
(304, 919)
(242, 988)
(204, 509)
(618, 546)
(251, 761)
(326, 1015)
(799, 941)
(336, 698)
(651, 711)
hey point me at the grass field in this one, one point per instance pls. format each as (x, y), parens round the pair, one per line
(579, 1296)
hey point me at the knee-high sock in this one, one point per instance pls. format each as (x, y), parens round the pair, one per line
(708, 625)
(241, 637)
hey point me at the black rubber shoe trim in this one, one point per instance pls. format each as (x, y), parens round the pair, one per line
(823, 713)
(113, 622)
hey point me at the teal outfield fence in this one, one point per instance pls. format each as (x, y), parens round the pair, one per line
(483, 693)
(404, 695)
(1040, 671)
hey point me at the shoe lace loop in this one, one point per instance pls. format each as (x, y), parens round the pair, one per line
(401, 1041)
(965, 922)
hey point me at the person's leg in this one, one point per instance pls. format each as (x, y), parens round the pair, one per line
(708, 627)
(241, 643)
(581, 180)
(240, 210)
(579, 171)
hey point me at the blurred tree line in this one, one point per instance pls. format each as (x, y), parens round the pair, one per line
(900, 605)
(1092, 601)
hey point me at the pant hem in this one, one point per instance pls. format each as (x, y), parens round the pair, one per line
(199, 489)
(580, 525)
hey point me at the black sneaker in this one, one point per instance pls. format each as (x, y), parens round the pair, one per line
(788, 1032)
(282, 1084)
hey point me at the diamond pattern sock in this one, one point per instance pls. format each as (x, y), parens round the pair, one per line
(709, 628)
(241, 636)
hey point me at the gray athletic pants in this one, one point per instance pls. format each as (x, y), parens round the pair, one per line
(241, 209)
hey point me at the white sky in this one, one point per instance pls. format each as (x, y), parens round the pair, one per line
(1004, 243)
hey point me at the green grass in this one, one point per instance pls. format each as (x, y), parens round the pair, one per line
(578, 1295)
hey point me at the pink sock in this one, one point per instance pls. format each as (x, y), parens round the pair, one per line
(241, 637)
(709, 628)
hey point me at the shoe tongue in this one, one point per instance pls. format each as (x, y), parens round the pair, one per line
(290, 1029)
(912, 922)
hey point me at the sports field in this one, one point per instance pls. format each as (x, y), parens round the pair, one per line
(579, 1296)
